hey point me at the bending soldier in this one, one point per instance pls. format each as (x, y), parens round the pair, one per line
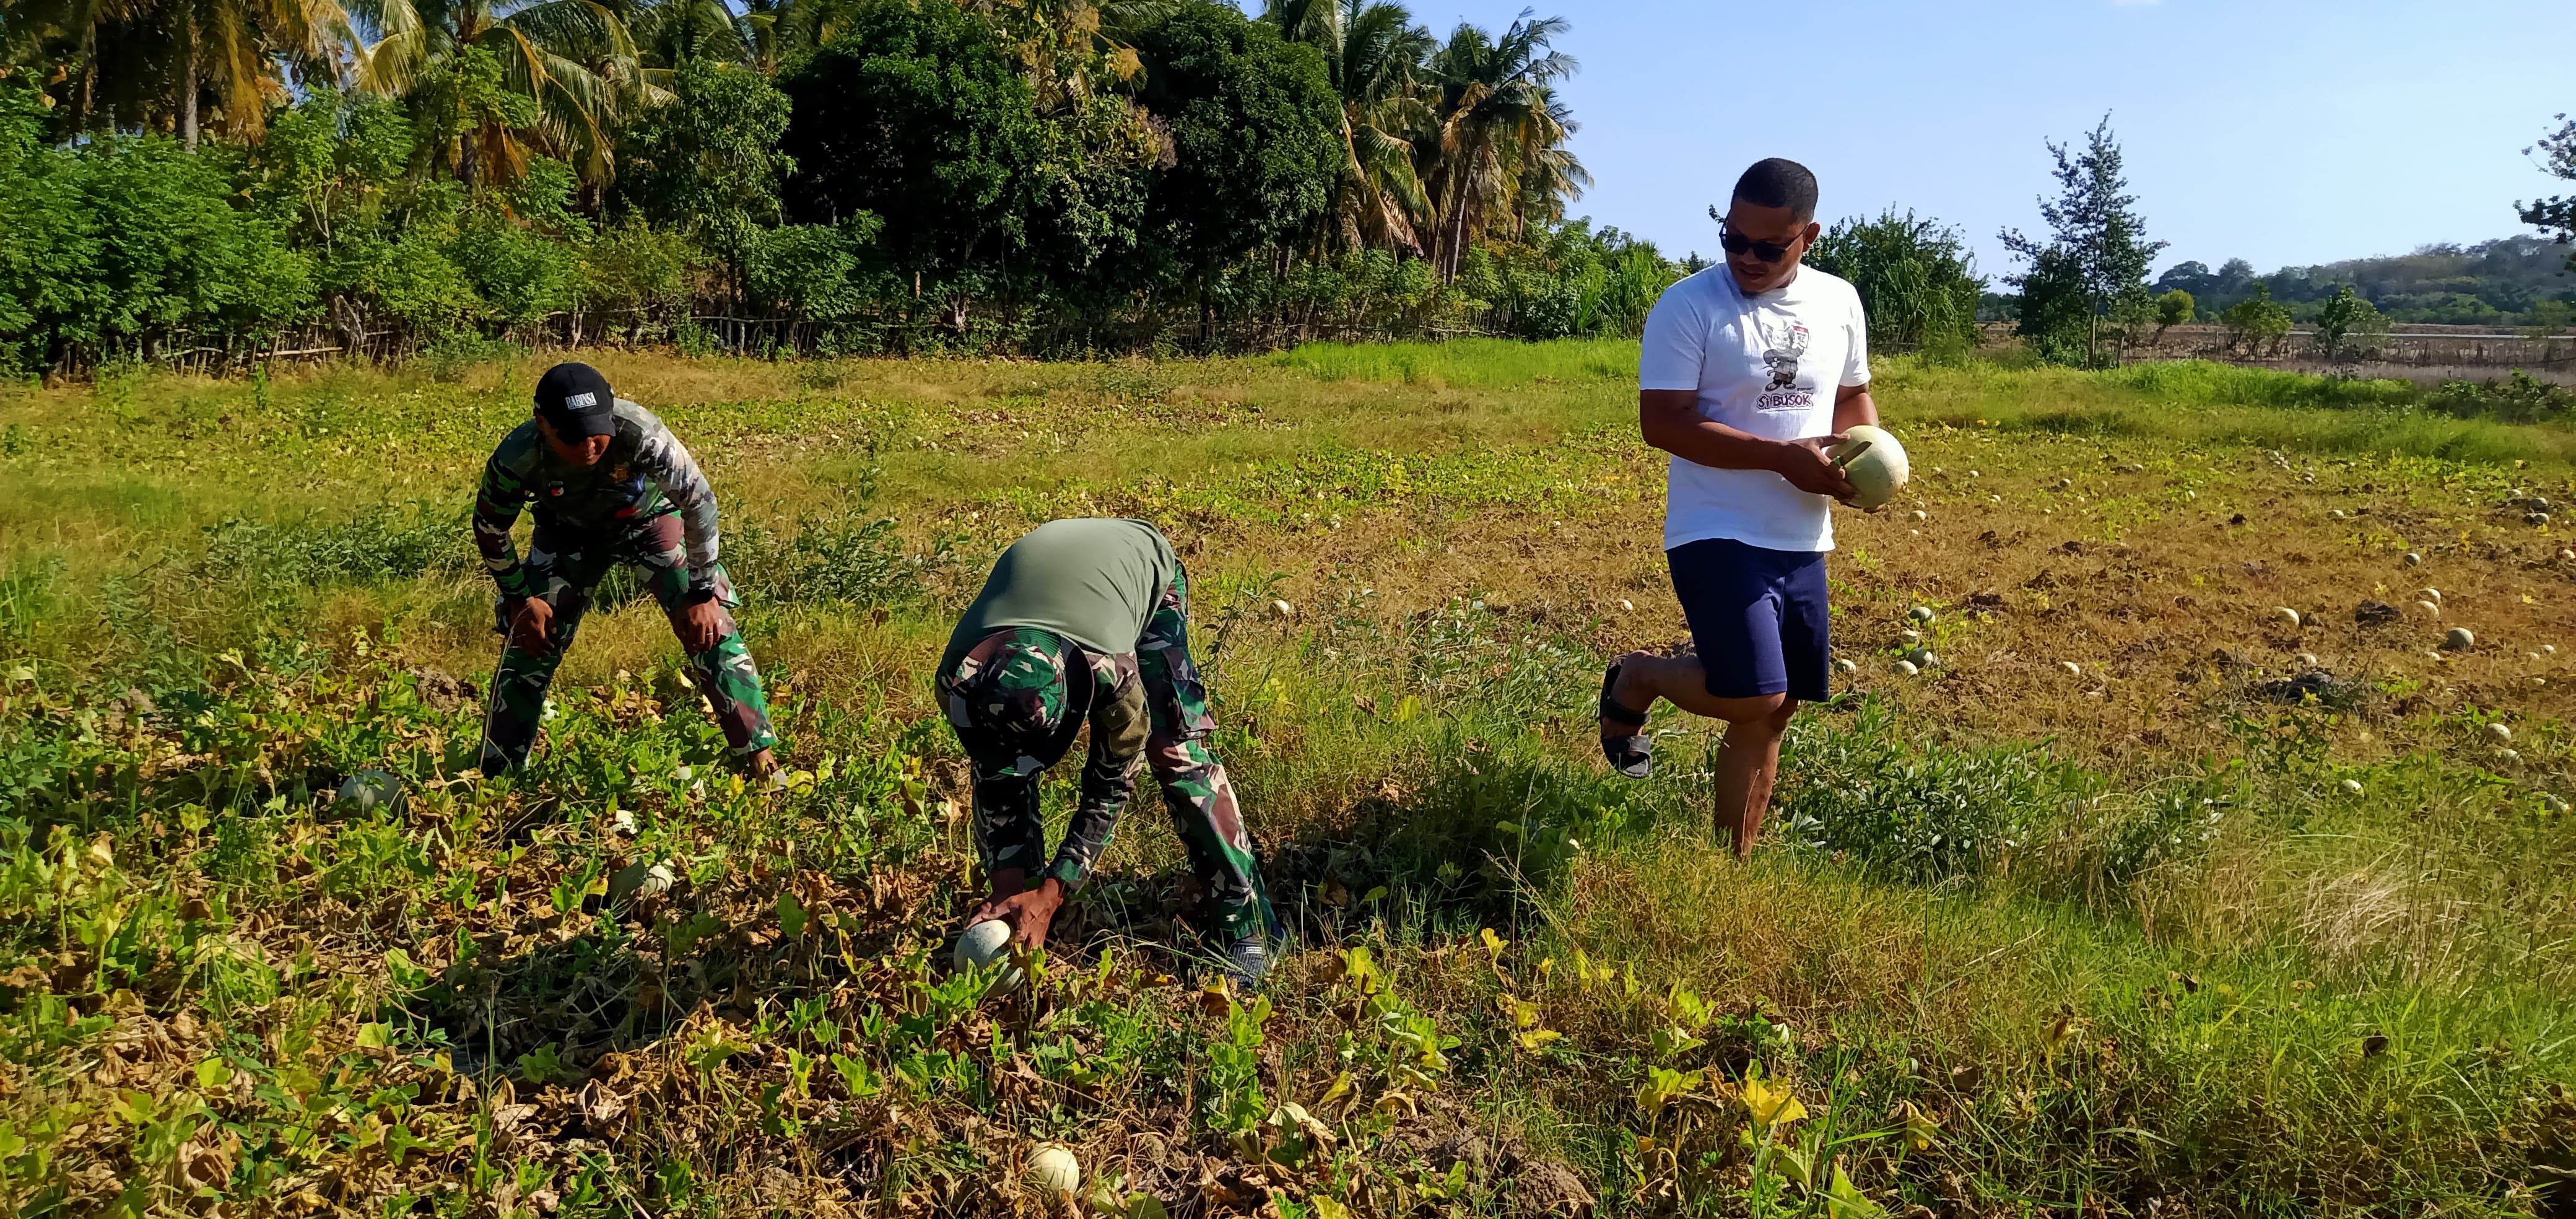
(1088, 621)
(610, 484)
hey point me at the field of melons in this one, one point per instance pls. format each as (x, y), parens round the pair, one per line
(2139, 899)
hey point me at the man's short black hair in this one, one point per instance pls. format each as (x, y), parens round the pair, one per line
(1779, 182)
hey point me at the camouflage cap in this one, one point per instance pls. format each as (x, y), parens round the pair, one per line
(1017, 683)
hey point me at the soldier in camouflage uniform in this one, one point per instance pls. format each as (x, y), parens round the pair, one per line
(1087, 621)
(609, 484)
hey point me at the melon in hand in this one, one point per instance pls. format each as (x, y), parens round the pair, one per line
(1874, 462)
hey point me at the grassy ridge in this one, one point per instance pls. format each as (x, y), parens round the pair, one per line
(2125, 941)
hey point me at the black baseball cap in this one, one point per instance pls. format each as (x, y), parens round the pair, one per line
(575, 401)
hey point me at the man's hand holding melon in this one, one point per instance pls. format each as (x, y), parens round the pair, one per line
(1863, 466)
(1872, 464)
(1809, 466)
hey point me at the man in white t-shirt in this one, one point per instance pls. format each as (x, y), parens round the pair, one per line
(1751, 369)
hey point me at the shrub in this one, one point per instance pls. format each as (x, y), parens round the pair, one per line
(2174, 308)
(813, 272)
(636, 268)
(1925, 814)
(1914, 277)
(125, 240)
(2521, 399)
(845, 561)
(2257, 319)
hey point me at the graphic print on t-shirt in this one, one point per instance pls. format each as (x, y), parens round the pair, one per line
(1784, 392)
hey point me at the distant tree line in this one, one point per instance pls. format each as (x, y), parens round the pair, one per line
(2510, 281)
(1040, 176)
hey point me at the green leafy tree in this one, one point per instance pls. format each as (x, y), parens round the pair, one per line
(155, 64)
(2094, 224)
(411, 280)
(333, 170)
(555, 74)
(1254, 129)
(919, 117)
(2556, 154)
(48, 240)
(2257, 320)
(672, 34)
(816, 272)
(634, 270)
(2550, 318)
(706, 160)
(2055, 315)
(123, 242)
(521, 249)
(232, 49)
(2173, 308)
(2349, 327)
(471, 120)
(1915, 279)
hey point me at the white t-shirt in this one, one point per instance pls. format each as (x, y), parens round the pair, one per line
(1767, 365)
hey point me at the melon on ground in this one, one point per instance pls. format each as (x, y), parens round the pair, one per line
(1054, 1171)
(982, 945)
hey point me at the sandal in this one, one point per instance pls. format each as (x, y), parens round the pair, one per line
(1631, 755)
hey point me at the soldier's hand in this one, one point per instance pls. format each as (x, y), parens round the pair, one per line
(699, 626)
(531, 628)
(1030, 912)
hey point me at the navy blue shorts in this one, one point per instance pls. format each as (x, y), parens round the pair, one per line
(1758, 617)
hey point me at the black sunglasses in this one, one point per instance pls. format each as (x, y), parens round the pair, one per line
(1737, 243)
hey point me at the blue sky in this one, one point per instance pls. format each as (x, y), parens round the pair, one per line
(2281, 131)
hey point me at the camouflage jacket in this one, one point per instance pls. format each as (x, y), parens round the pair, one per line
(646, 474)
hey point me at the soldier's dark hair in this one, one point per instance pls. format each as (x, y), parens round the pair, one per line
(1779, 182)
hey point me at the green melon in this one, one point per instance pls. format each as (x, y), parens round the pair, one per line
(983, 945)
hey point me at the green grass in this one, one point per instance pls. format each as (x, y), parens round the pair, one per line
(1475, 361)
(2008, 953)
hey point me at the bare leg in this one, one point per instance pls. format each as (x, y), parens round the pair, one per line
(1750, 760)
(1746, 766)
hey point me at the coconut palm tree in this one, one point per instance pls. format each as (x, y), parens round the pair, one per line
(1374, 54)
(573, 61)
(1497, 118)
(1549, 177)
(233, 48)
(76, 36)
(148, 63)
(668, 33)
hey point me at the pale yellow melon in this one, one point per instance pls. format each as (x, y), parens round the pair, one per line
(1054, 1171)
(1877, 468)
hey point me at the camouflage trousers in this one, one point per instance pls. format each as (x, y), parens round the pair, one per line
(1147, 703)
(564, 568)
